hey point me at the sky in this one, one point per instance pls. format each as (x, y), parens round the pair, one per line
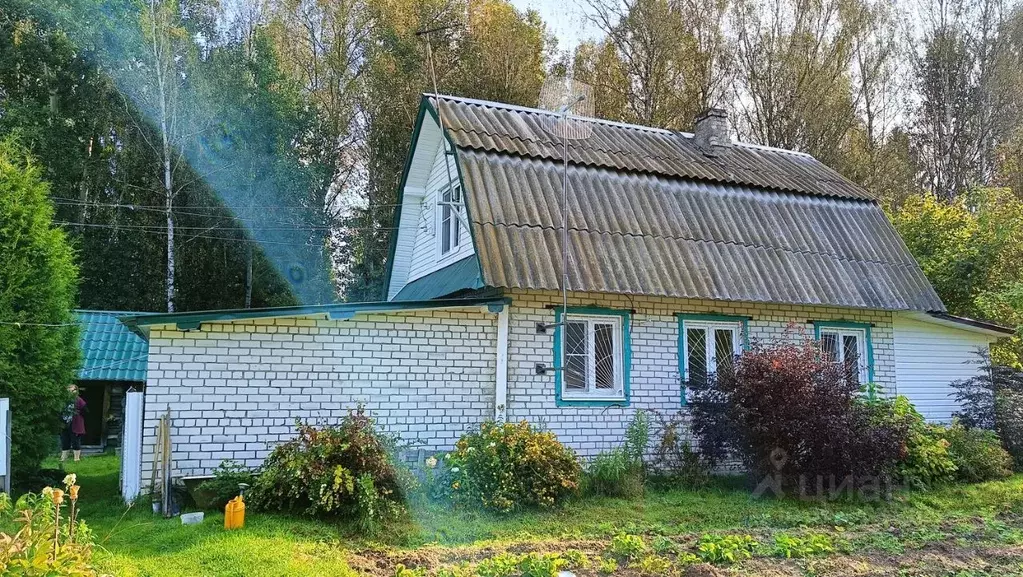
(566, 19)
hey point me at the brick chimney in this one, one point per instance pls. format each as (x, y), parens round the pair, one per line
(711, 133)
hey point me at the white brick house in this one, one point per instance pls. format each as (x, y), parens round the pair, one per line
(682, 250)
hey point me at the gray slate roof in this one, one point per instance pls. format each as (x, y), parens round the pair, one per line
(650, 214)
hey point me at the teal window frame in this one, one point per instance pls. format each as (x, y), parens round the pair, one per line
(868, 345)
(626, 317)
(708, 318)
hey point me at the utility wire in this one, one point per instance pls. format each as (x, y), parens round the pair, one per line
(20, 324)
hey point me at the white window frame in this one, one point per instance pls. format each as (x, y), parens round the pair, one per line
(451, 230)
(863, 366)
(592, 393)
(710, 354)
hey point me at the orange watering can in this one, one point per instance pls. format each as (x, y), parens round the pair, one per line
(234, 511)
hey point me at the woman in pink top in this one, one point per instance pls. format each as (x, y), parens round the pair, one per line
(71, 436)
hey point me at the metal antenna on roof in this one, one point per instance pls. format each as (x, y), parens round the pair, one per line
(569, 101)
(456, 203)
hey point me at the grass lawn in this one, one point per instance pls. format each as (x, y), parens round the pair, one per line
(962, 531)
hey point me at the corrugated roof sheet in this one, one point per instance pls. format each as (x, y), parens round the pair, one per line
(784, 229)
(110, 351)
(495, 127)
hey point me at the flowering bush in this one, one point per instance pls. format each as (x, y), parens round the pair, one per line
(50, 540)
(785, 409)
(343, 470)
(508, 466)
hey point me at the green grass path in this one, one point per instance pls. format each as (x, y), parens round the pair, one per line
(134, 542)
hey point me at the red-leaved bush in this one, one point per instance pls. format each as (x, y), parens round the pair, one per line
(783, 408)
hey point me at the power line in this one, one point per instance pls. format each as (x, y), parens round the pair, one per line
(20, 324)
(213, 237)
(187, 228)
(162, 228)
(160, 207)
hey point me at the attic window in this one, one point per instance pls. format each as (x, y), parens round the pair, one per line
(449, 227)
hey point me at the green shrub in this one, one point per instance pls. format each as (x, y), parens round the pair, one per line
(343, 470)
(978, 454)
(509, 466)
(926, 459)
(224, 485)
(50, 540)
(993, 400)
(38, 286)
(726, 549)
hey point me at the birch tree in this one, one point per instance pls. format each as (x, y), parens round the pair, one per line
(165, 40)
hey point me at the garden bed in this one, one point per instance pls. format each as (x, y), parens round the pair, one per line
(970, 530)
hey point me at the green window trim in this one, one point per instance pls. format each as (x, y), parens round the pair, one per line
(626, 317)
(868, 345)
(682, 318)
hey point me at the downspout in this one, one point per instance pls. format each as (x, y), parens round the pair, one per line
(501, 389)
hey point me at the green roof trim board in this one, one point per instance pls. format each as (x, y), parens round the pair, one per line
(187, 321)
(110, 351)
(461, 275)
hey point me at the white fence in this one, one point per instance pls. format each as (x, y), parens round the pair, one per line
(5, 444)
(131, 447)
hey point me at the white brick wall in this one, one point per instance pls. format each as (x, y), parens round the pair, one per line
(235, 389)
(655, 381)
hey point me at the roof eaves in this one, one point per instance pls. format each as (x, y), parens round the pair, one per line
(983, 326)
(396, 218)
(341, 311)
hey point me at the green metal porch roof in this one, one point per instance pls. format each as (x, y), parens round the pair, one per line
(461, 275)
(110, 350)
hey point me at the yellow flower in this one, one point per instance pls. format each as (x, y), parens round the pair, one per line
(73, 490)
(70, 479)
(57, 496)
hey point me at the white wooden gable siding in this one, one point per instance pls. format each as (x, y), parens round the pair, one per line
(419, 172)
(928, 358)
(426, 257)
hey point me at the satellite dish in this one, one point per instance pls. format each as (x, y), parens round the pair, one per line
(571, 105)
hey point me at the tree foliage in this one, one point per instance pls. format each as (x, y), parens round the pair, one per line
(970, 249)
(38, 332)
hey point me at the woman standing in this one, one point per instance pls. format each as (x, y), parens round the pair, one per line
(74, 427)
